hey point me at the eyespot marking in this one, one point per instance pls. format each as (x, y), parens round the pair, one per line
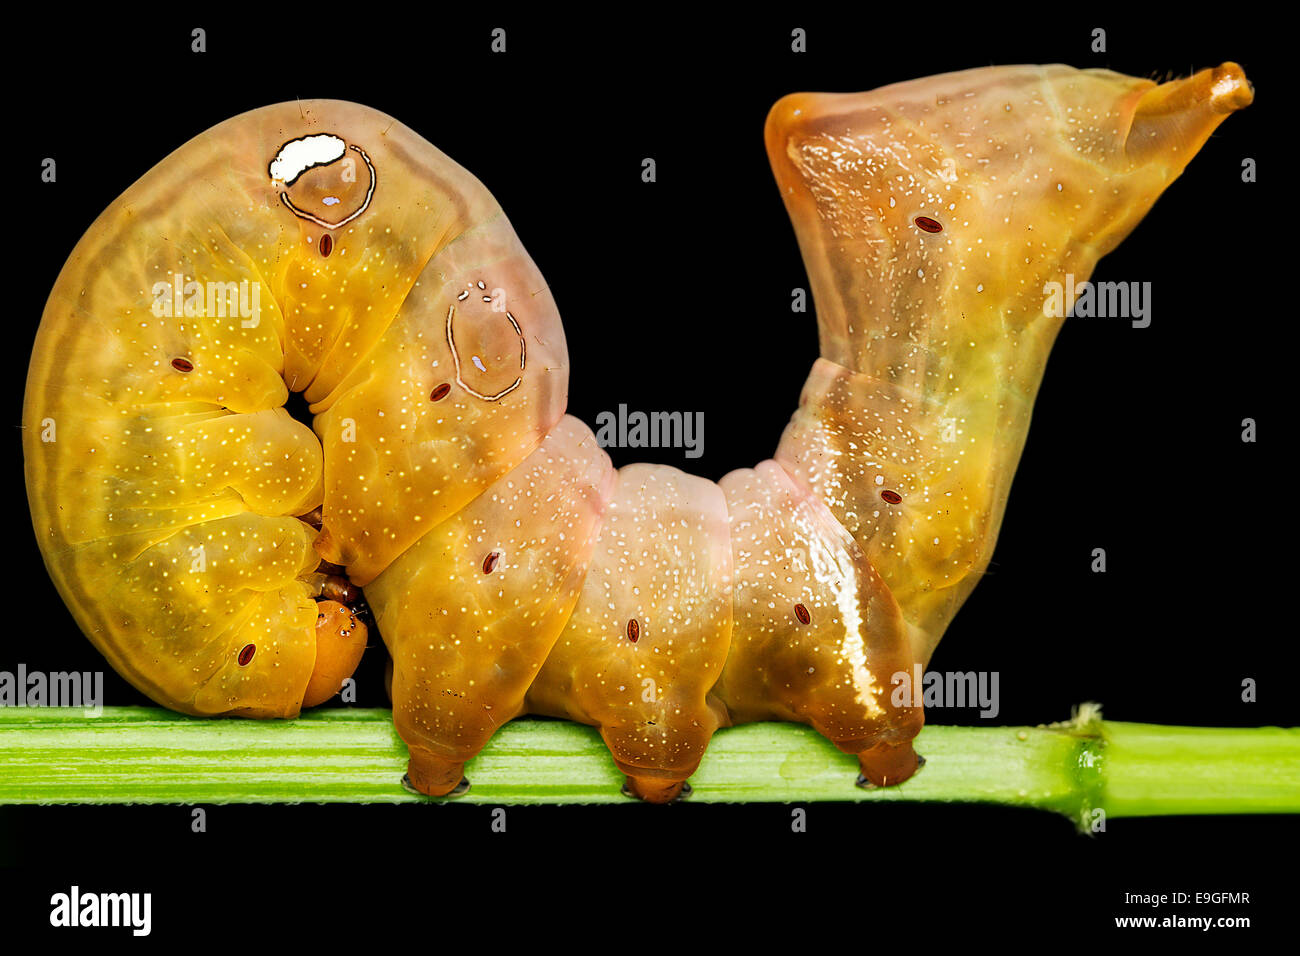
(182, 365)
(439, 393)
(246, 654)
(893, 497)
(490, 562)
(455, 355)
(633, 630)
(802, 614)
(926, 224)
(309, 152)
(326, 245)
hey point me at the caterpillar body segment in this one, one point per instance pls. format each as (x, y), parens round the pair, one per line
(472, 610)
(398, 460)
(817, 635)
(650, 633)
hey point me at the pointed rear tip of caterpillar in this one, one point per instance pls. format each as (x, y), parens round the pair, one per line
(1173, 120)
(1229, 89)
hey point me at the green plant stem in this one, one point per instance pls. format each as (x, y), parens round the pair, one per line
(145, 755)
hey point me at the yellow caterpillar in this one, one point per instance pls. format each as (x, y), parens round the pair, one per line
(213, 548)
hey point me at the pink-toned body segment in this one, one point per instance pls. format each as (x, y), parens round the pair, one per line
(473, 609)
(649, 635)
(818, 638)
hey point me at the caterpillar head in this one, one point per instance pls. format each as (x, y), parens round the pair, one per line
(960, 195)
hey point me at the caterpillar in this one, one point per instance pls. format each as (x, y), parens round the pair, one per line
(227, 559)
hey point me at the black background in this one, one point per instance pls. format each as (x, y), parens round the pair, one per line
(675, 295)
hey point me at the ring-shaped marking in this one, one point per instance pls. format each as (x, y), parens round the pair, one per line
(303, 214)
(455, 357)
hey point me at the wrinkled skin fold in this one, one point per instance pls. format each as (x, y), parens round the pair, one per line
(325, 248)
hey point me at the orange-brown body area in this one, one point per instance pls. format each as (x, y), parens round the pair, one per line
(323, 247)
(340, 641)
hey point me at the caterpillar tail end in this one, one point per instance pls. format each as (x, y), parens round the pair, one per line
(1172, 121)
(886, 765)
(1229, 89)
(434, 775)
(1222, 89)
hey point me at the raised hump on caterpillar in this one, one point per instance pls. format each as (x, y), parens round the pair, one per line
(215, 549)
